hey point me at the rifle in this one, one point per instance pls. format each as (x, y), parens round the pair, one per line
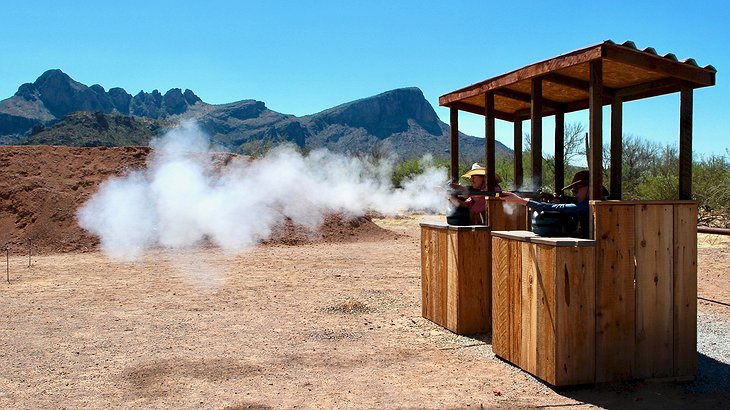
(493, 194)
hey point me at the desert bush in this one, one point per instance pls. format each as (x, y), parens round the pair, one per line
(711, 188)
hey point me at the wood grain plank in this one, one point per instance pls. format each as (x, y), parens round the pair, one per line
(575, 317)
(452, 281)
(426, 274)
(546, 313)
(505, 216)
(501, 301)
(440, 283)
(515, 262)
(615, 311)
(685, 290)
(654, 291)
(474, 282)
(528, 354)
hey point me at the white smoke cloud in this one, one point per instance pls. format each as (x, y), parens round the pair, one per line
(181, 200)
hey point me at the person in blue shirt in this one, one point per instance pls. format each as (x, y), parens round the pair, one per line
(578, 210)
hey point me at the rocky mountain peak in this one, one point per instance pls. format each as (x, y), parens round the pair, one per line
(58, 93)
(400, 121)
(386, 113)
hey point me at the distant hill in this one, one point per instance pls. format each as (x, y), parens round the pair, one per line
(56, 110)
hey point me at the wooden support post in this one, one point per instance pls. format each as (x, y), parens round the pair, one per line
(536, 131)
(559, 151)
(595, 129)
(616, 147)
(454, 139)
(518, 153)
(685, 143)
(489, 136)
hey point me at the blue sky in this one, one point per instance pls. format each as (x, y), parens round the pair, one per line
(301, 57)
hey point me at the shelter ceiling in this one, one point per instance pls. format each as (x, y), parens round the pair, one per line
(627, 73)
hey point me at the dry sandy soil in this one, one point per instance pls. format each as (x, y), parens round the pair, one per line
(323, 325)
(301, 322)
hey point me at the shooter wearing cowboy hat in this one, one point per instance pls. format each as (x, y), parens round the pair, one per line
(578, 210)
(476, 204)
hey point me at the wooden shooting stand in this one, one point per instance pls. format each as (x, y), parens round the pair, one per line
(621, 305)
(456, 269)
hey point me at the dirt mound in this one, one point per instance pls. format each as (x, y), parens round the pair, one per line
(336, 228)
(41, 188)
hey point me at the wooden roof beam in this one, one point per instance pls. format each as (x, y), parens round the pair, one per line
(572, 82)
(575, 83)
(650, 89)
(476, 109)
(524, 97)
(526, 113)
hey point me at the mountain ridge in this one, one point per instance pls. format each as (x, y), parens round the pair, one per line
(400, 120)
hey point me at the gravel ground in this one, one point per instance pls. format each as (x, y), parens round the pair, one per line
(713, 358)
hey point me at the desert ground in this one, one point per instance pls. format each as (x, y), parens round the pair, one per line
(320, 325)
(331, 320)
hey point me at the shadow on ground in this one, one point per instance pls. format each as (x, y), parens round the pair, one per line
(711, 389)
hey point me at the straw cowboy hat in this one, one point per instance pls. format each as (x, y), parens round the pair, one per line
(477, 169)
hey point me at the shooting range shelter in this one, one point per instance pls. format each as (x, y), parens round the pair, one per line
(621, 305)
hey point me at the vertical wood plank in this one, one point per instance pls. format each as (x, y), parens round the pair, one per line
(615, 311)
(654, 291)
(546, 315)
(474, 282)
(515, 262)
(496, 218)
(505, 216)
(486, 245)
(441, 268)
(501, 298)
(575, 307)
(528, 355)
(685, 289)
(426, 274)
(452, 281)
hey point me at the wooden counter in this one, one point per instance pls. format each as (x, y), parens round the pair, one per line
(543, 305)
(455, 277)
(622, 307)
(456, 268)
